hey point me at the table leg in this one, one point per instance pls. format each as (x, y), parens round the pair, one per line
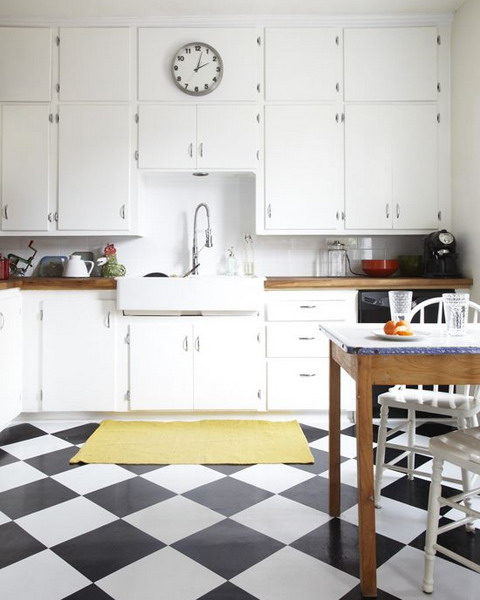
(366, 502)
(334, 438)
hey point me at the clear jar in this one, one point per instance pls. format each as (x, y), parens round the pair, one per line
(337, 259)
(249, 259)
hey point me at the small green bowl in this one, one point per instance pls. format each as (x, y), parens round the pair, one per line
(411, 265)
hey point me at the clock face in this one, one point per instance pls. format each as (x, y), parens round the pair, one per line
(197, 69)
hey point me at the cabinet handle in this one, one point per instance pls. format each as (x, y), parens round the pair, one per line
(2, 320)
(122, 211)
(197, 343)
(337, 87)
(55, 216)
(306, 338)
(308, 306)
(387, 210)
(306, 374)
(5, 211)
(200, 149)
(259, 88)
(190, 150)
(107, 321)
(269, 211)
(397, 210)
(185, 343)
(50, 217)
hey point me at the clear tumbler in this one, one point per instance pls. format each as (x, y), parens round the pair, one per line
(456, 310)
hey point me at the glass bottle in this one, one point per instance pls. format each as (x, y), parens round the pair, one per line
(249, 259)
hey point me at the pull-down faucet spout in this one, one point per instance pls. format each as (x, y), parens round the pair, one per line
(208, 237)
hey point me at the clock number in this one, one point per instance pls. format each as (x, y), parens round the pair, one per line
(186, 85)
(214, 58)
(198, 48)
(175, 68)
(206, 86)
(180, 58)
(188, 50)
(214, 79)
(218, 69)
(196, 88)
(179, 78)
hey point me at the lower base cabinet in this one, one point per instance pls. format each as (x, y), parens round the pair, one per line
(204, 363)
(10, 356)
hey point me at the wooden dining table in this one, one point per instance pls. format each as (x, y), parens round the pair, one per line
(429, 357)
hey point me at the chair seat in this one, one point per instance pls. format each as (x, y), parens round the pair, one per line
(460, 447)
(415, 398)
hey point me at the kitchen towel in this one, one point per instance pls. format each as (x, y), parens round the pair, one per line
(196, 442)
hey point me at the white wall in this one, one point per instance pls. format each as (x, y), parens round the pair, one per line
(466, 138)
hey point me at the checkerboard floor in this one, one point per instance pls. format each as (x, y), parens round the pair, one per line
(217, 532)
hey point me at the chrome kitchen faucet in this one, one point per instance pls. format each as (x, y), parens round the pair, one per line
(208, 237)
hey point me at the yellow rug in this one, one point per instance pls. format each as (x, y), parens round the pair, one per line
(235, 442)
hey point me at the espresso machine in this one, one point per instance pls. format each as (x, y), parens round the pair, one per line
(440, 258)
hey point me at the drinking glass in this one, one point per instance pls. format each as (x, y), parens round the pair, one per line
(456, 310)
(400, 304)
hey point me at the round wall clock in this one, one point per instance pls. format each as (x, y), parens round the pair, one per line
(197, 68)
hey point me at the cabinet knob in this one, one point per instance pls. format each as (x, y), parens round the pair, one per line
(397, 211)
(5, 211)
(108, 323)
(269, 211)
(2, 321)
(122, 211)
(197, 343)
(308, 306)
(304, 339)
(306, 374)
(190, 150)
(50, 217)
(200, 149)
(387, 210)
(185, 343)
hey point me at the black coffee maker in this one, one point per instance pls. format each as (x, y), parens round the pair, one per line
(440, 258)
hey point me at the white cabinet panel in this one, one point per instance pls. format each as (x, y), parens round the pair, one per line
(161, 365)
(78, 355)
(10, 357)
(25, 185)
(296, 340)
(395, 63)
(297, 383)
(94, 167)
(303, 174)
(303, 64)
(317, 308)
(25, 64)
(94, 63)
(237, 47)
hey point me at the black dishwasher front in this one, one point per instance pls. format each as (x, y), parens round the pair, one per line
(373, 307)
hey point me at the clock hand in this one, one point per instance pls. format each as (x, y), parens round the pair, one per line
(199, 61)
(204, 65)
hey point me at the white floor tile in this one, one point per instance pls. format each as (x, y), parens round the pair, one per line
(54, 426)
(402, 577)
(163, 574)
(4, 518)
(89, 478)
(272, 578)
(43, 576)
(174, 519)
(348, 445)
(18, 473)
(36, 446)
(181, 478)
(65, 521)
(281, 518)
(274, 478)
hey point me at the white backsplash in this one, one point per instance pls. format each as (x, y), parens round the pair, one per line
(167, 203)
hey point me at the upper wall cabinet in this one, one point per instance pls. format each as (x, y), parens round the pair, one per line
(25, 64)
(303, 64)
(95, 64)
(388, 64)
(237, 47)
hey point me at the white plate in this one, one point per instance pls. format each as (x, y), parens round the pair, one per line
(397, 338)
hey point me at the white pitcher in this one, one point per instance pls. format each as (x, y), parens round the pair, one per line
(76, 267)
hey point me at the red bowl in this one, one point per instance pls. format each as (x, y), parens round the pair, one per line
(379, 268)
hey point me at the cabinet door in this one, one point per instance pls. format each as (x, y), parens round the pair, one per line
(25, 185)
(166, 136)
(25, 64)
(395, 63)
(227, 137)
(78, 352)
(228, 359)
(297, 383)
(95, 64)
(10, 359)
(303, 64)
(161, 365)
(94, 168)
(303, 175)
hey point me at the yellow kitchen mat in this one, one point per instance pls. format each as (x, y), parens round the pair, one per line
(236, 442)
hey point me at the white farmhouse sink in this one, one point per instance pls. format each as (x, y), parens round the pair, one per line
(195, 295)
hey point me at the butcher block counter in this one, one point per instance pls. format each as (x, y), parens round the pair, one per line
(271, 283)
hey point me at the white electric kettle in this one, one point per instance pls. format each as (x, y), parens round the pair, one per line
(76, 267)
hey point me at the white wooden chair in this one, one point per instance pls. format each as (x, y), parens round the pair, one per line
(461, 448)
(462, 407)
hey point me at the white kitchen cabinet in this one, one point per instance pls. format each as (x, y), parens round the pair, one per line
(94, 64)
(298, 353)
(303, 64)
(10, 356)
(237, 47)
(200, 364)
(391, 167)
(204, 137)
(25, 64)
(303, 168)
(94, 157)
(25, 167)
(391, 64)
(78, 355)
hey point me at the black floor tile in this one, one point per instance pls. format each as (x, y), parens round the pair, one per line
(313, 433)
(129, 496)
(414, 492)
(19, 433)
(215, 546)
(432, 429)
(141, 469)
(26, 499)
(227, 469)
(314, 493)
(6, 458)
(336, 543)
(54, 462)
(77, 435)
(98, 553)
(91, 592)
(228, 591)
(16, 544)
(227, 496)
(356, 594)
(321, 462)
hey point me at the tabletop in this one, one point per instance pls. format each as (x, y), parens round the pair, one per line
(368, 338)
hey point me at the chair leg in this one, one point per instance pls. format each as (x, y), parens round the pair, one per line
(432, 524)
(380, 462)
(411, 443)
(468, 501)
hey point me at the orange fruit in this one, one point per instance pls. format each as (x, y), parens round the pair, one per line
(402, 324)
(404, 332)
(389, 328)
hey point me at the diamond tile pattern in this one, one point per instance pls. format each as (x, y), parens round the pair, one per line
(203, 532)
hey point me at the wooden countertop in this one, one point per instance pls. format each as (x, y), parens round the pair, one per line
(271, 283)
